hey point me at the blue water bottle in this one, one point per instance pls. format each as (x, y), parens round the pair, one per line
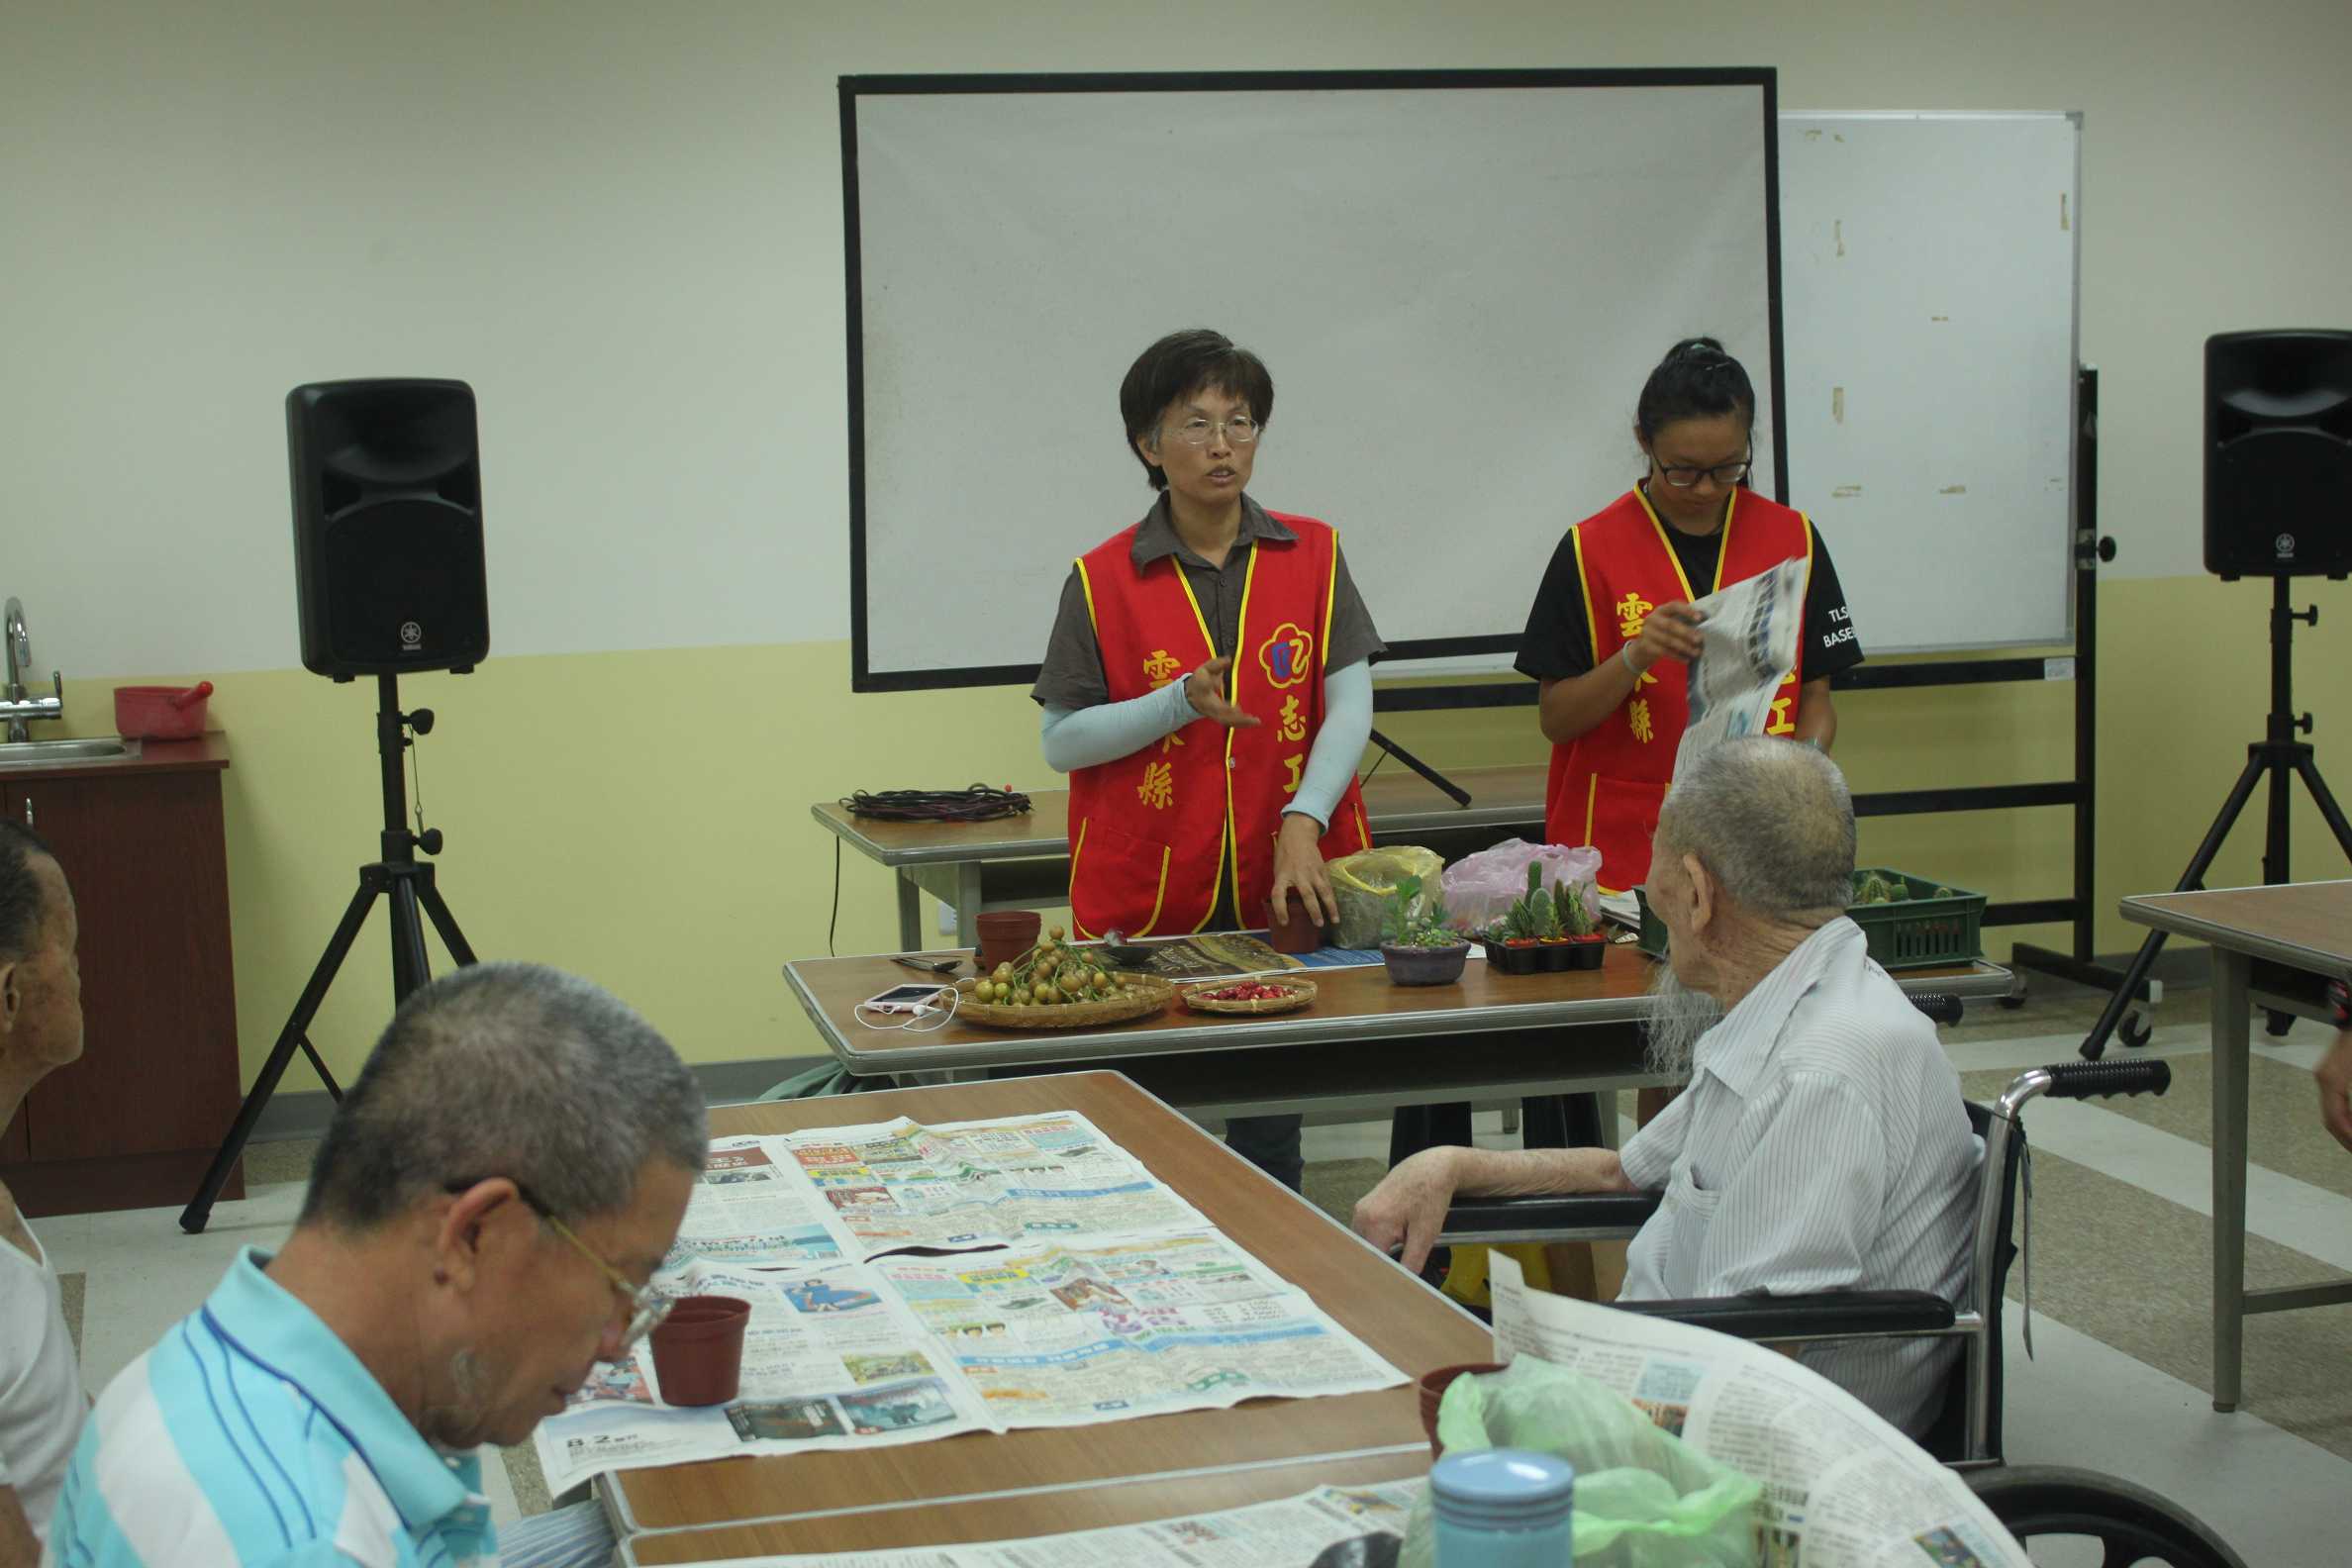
(1503, 1508)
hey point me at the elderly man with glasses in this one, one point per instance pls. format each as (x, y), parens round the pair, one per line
(486, 1211)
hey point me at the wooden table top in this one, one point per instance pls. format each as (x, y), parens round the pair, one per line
(1350, 1004)
(1052, 1511)
(1397, 800)
(1403, 1320)
(2305, 925)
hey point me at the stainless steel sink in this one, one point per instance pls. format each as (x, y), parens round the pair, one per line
(29, 754)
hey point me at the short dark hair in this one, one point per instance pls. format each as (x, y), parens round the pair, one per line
(1182, 363)
(20, 889)
(1696, 381)
(514, 1070)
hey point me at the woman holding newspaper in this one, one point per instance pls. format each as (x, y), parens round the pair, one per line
(1615, 625)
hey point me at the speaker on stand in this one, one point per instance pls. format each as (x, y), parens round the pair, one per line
(389, 577)
(2278, 504)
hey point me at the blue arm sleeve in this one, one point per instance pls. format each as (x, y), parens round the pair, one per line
(1339, 744)
(1090, 737)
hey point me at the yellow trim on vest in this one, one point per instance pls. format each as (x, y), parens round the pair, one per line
(1331, 589)
(1233, 696)
(1087, 583)
(1584, 580)
(1592, 804)
(1076, 850)
(1225, 846)
(1723, 543)
(1667, 545)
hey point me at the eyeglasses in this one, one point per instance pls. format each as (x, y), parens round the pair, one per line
(1240, 430)
(1722, 474)
(647, 1307)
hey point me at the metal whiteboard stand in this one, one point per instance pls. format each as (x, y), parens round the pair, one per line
(2089, 550)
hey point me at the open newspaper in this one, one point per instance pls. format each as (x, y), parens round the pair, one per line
(1286, 1534)
(911, 1282)
(1842, 1488)
(1749, 646)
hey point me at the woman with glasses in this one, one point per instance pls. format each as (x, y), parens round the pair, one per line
(1613, 627)
(1207, 687)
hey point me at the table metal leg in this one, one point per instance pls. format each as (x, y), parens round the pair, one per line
(910, 913)
(968, 904)
(2231, 1049)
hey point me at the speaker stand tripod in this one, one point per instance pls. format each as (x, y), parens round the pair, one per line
(398, 877)
(2275, 757)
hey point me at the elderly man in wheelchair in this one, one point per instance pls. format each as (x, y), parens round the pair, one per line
(1823, 1144)
(1822, 1184)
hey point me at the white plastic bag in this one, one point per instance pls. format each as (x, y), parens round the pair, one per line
(1480, 887)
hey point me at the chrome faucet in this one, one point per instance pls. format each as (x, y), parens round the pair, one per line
(16, 707)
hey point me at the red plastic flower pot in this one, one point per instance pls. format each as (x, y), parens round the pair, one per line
(698, 1349)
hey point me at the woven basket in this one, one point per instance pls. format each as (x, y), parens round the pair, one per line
(1301, 994)
(1150, 996)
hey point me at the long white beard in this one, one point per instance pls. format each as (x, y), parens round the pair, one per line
(1678, 1015)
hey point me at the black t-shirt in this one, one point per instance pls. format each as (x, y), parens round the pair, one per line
(1558, 641)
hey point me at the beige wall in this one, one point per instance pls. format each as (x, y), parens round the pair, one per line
(623, 223)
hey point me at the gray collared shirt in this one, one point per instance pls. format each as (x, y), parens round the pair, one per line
(1822, 1145)
(1072, 674)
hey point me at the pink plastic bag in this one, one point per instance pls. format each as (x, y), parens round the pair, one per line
(1480, 887)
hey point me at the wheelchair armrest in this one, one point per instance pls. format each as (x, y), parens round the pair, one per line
(1569, 1217)
(1794, 1317)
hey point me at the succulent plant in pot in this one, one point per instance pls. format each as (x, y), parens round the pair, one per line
(1416, 944)
(1578, 929)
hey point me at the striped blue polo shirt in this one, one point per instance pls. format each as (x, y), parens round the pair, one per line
(251, 1435)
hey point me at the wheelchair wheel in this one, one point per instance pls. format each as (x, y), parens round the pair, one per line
(2113, 1523)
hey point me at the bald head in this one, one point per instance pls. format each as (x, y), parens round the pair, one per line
(1773, 824)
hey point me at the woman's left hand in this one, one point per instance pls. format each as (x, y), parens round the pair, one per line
(1299, 869)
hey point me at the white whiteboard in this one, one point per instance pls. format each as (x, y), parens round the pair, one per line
(1930, 273)
(1458, 288)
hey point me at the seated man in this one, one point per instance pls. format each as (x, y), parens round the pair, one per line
(1823, 1143)
(485, 1210)
(41, 1404)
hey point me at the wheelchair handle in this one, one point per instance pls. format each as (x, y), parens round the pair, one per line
(1942, 1007)
(2085, 1080)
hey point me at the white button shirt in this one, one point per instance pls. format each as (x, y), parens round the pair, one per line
(1821, 1145)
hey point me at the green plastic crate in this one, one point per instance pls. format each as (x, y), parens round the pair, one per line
(1921, 932)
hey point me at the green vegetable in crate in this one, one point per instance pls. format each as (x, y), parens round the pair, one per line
(1942, 892)
(1871, 888)
(1406, 928)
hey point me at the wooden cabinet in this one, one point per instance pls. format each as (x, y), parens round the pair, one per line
(136, 1121)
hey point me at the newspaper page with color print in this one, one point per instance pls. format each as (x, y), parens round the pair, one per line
(1749, 645)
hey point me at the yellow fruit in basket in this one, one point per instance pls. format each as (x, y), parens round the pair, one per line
(1102, 981)
(1053, 933)
(1004, 972)
(981, 990)
(1047, 995)
(1023, 997)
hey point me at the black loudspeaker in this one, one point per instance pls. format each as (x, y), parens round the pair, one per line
(388, 568)
(2278, 472)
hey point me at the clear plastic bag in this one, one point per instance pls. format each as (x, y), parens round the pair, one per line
(1366, 883)
(1480, 887)
(1644, 1498)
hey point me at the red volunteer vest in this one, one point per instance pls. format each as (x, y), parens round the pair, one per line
(1152, 832)
(1608, 784)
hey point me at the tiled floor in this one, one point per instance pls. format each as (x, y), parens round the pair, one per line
(2121, 1323)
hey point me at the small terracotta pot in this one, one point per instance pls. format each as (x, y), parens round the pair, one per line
(698, 1349)
(1432, 1393)
(1005, 935)
(1298, 932)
